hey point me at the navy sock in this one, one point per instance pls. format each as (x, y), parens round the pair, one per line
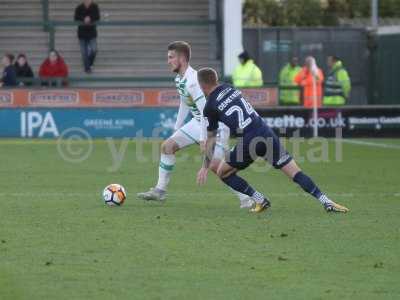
(307, 184)
(239, 184)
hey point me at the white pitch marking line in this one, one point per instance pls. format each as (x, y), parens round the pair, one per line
(371, 144)
(177, 194)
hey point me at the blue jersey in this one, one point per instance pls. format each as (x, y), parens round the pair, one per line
(227, 105)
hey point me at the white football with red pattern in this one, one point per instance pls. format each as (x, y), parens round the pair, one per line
(114, 194)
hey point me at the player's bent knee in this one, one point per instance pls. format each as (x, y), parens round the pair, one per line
(220, 173)
(214, 166)
(291, 169)
(225, 170)
(169, 147)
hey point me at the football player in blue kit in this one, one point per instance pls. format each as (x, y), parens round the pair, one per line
(255, 139)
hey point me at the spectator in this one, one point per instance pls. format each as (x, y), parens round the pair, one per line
(247, 74)
(337, 84)
(305, 79)
(87, 12)
(23, 69)
(289, 94)
(54, 68)
(9, 79)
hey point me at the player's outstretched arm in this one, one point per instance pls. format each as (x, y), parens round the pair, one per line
(203, 134)
(208, 156)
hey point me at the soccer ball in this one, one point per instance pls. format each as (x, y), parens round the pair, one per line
(114, 194)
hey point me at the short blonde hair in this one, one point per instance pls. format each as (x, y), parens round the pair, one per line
(181, 47)
(207, 76)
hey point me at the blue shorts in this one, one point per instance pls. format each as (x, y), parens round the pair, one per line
(260, 142)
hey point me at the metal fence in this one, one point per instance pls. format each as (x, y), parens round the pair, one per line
(385, 70)
(272, 48)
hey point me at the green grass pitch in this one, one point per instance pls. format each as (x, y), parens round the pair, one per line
(59, 241)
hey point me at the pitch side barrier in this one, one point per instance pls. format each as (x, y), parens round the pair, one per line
(98, 113)
(369, 121)
(151, 113)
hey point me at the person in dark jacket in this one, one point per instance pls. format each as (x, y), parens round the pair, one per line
(9, 78)
(23, 69)
(88, 13)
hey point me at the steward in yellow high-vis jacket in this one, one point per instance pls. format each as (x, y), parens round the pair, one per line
(337, 83)
(247, 74)
(288, 94)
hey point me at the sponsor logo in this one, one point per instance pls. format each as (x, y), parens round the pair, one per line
(109, 124)
(283, 159)
(6, 98)
(390, 120)
(168, 97)
(118, 97)
(223, 93)
(261, 97)
(286, 121)
(37, 124)
(312, 47)
(166, 123)
(272, 46)
(293, 121)
(53, 98)
(374, 122)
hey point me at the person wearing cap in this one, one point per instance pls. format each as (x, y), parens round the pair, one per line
(247, 74)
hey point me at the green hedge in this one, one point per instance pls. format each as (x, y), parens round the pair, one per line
(313, 12)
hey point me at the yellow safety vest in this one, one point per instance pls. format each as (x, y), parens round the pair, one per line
(288, 94)
(247, 75)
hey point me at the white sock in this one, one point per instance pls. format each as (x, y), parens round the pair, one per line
(258, 197)
(240, 195)
(324, 199)
(167, 162)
